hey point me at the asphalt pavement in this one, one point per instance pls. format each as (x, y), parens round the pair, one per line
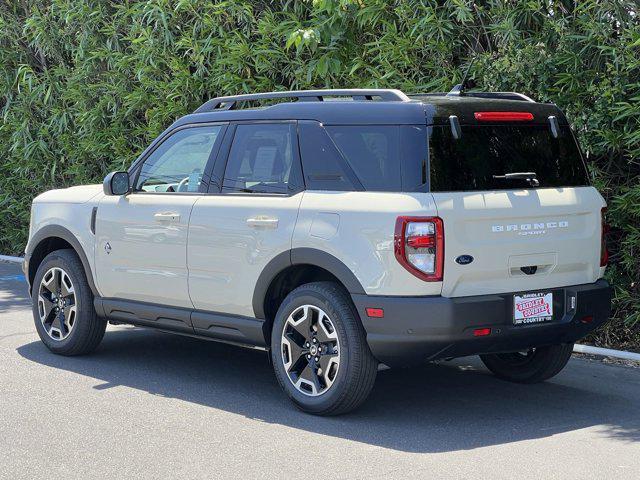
(154, 405)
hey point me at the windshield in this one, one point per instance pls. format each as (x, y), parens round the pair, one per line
(483, 152)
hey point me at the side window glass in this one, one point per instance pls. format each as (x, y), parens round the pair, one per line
(178, 163)
(373, 152)
(261, 159)
(323, 165)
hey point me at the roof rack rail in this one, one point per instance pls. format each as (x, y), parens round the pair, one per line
(501, 95)
(229, 103)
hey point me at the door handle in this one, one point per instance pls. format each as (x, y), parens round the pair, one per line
(167, 217)
(262, 221)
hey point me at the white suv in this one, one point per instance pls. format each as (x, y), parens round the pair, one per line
(337, 230)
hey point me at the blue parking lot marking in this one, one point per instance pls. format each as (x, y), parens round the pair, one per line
(11, 278)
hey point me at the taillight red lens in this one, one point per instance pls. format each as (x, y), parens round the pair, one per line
(503, 116)
(481, 332)
(604, 252)
(419, 246)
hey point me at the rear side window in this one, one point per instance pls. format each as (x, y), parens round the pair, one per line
(323, 165)
(471, 162)
(378, 158)
(262, 159)
(372, 151)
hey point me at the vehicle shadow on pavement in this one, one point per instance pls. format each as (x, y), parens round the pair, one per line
(433, 408)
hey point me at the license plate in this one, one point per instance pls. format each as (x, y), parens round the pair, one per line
(532, 308)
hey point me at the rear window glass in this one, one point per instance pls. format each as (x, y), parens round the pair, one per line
(482, 152)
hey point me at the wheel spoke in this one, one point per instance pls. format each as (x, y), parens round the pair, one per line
(325, 331)
(55, 323)
(69, 316)
(63, 327)
(326, 360)
(66, 288)
(49, 283)
(47, 308)
(296, 352)
(57, 280)
(302, 325)
(310, 375)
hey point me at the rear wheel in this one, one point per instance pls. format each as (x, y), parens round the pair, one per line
(63, 310)
(319, 351)
(533, 366)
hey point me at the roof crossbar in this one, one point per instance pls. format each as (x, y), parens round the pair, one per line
(229, 103)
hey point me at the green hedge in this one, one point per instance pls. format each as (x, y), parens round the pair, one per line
(86, 84)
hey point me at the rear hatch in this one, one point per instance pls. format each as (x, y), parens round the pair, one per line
(521, 233)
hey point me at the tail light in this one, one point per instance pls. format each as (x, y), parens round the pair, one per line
(419, 246)
(604, 252)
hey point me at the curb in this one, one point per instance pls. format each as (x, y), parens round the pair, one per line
(589, 350)
(8, 258)
(606, 352)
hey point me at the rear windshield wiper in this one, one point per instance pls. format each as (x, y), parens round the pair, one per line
(529, 177)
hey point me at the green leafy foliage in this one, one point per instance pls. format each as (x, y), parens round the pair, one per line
(85, 85)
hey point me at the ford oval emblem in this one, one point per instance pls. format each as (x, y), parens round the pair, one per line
(464, 259)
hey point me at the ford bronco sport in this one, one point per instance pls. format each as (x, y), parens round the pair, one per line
(337, 229)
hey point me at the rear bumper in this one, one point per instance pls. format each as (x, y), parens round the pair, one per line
(418, 329)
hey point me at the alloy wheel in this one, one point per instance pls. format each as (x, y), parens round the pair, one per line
(57, 303)
(310, 350)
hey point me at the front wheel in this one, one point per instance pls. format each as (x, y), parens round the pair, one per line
(533, 366)
(63, 310)
(319, 351)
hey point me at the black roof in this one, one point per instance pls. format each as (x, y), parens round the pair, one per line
(373, 107)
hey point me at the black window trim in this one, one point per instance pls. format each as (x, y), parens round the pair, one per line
(220, 167)
(136, 168)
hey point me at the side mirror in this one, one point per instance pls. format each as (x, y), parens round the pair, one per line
(116, 183)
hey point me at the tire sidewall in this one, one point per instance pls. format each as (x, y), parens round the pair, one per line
(308, 296)
(84, 301)
(546, 362)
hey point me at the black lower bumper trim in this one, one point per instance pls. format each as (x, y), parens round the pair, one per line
(417, 329)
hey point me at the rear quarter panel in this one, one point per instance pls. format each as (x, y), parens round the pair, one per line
(358, 229)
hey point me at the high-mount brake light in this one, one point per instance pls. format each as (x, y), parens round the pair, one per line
(503, 116)
(604, 251)
(419, 246)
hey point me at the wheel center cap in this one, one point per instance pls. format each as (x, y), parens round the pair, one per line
(313, 350)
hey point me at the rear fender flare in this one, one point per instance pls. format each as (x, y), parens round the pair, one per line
(302, 256)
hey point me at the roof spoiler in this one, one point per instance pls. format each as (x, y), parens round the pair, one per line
(455, 92)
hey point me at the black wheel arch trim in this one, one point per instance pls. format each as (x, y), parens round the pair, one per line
(57, 231)
(302, 256)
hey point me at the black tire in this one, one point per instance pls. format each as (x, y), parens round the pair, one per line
(535, 366)
(88, 329)
(357, 369)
